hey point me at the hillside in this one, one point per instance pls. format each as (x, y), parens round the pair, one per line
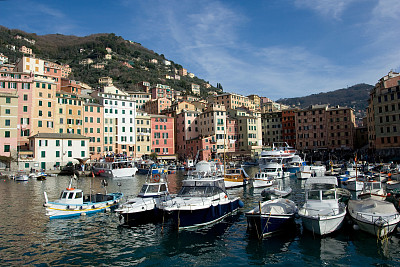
(129, 65)
(355, 97)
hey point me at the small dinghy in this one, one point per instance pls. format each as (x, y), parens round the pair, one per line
(276, 215)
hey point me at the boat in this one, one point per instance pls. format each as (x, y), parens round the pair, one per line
(373, 189)
(115, 167)
(373, 216)
(235, 177)
(275, 169)
(262, 179)
(271, 217)
(278, 152)
(276, 191)
(202, 200)
(73, 202)
(149, 167)
(309, 171)
(21, 176)
(145, 206)
(322, 212)
(41, 176)
(293, 164)
(353, 184)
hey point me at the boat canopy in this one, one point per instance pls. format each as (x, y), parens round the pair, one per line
(328, 180)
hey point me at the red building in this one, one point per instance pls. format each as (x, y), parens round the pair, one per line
(289, 126)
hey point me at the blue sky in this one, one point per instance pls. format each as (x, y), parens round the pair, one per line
(273, 48)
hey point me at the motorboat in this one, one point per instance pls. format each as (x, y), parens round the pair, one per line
(322, 212)
(353, 184)
(41, 176)
(73, 202)
(21, 176)
(145, 206)
(309, 171)
(293, 164)
(276, 191)
(373, 189)
(278, 152)
(272, 216)
(262, 179)
(115, 167)
(275, 169)
(202, 200)
(235, 177)
(373, 216)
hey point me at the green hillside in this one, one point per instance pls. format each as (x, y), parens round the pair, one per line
(73, 49)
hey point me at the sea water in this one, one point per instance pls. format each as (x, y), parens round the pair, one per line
(28, 237)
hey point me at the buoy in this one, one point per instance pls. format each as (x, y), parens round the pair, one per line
(356, 227)
(83, 214)
(241, 204)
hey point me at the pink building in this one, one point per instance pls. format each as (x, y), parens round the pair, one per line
(21, 83)
(156, 106)
(162, 91)
(162, 137)
(186, 129)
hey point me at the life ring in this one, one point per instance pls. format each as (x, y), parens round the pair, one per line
(156, 178)
(70, 188)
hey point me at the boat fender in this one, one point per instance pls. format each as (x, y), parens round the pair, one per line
(83, 214)
(241, 204)
(213, 211)
(68, 207)
(81, 208)
(94, 206)
(356, 227)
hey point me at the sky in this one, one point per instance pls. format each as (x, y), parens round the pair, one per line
(272, 48)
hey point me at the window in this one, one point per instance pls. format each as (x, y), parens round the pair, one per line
(82, 143)
(6, 148)
(69, 153)
(7, 122)
(43, 154)
(69, 142)
(57, 142)
(7, 134)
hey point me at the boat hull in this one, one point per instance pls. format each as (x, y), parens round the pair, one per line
(231, 183)
(186, 219)
(258, 183)
(265, 225)
(322, 225)
(118, 173)
(58, 210)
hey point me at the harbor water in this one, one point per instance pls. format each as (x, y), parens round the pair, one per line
(28, 237)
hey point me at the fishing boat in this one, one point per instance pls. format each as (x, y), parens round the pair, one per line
(41, 176)
(353, 184)
(293, 164)
(145, 206)
(271, 216)
(309, 171)
(373, 216)
(201, 201)
(373, 189)
(73, 202)
(262, 179)
(115, 167)
(235, 178)
(322, 212)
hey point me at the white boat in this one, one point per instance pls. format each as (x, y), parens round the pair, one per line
(275, 169)
(276, 191)
(278, 152)
(322, 212)
(115, 167)
(373, 189)
(293, 164)
(21, 176)
(354, 184)
(262, 179)
(38, 175)
(145, 206)
(373, 216)
(276, 215)
(73, 202)
(309, 171)
(201, 201)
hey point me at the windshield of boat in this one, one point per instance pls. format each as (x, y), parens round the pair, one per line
(199, 191)
(271, 170)
(151, 188)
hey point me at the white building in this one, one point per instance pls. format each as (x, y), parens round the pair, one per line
(51, 149)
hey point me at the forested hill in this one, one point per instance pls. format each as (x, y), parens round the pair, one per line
(355, 97)
(131, 62)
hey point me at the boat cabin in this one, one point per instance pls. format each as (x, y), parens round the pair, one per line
(153, 189)
(71, 196)
(205, 188)
(321, 188)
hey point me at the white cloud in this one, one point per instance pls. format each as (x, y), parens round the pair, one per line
(325, 8)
